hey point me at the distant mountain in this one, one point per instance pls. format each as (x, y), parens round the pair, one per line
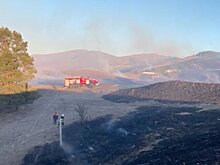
(54, 67)
(169, 91)
(95, 64)
(72, 60)
(202, 67)
(132, 69)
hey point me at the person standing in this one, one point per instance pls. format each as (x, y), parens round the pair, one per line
(55, 117)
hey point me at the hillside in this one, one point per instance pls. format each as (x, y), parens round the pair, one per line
(170, 91)
(96, 64)
(136, 69)
(202, 67)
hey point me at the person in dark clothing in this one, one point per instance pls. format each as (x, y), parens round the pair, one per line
(55, 117)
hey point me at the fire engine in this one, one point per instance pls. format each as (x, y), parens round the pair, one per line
(76, 82)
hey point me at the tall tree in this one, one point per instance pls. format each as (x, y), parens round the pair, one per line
(16, 66)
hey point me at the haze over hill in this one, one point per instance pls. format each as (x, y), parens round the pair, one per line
(202, 67)
(132, 69)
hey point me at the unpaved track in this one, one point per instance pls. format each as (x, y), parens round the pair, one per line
(32, 124)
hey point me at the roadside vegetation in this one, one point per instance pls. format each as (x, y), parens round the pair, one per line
(12, 102)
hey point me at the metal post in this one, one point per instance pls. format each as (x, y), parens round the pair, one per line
(61, 140)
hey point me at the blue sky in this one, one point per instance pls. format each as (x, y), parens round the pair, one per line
(119, 27)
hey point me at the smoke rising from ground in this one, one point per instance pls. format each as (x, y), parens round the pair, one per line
(130, 38)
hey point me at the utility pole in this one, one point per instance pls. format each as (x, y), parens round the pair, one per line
(61, 140)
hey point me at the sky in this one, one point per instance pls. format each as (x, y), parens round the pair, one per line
(118, 27)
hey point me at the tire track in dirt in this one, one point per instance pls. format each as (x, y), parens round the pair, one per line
(29, 133)
(16, 141)
(37, 120)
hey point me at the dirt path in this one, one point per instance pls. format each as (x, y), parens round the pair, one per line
(32, 124)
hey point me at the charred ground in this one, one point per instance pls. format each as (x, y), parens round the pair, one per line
(176, 91)
(30, 125)
(140, 132)
(150, 135)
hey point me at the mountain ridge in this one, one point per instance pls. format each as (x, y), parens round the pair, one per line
(140, 68)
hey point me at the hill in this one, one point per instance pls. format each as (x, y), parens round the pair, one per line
(137, 69)
(105, 67)
(202, 67)
(170, 91)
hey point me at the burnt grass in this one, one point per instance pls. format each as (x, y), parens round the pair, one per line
(131, 99)
(176, 91)
(151, 135)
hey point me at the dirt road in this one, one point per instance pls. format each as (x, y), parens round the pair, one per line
(32, 124)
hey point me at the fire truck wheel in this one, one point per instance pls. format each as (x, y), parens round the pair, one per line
(90, 86)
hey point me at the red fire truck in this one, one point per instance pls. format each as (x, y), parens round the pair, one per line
(76, 82)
